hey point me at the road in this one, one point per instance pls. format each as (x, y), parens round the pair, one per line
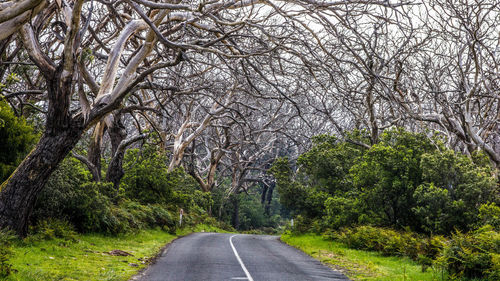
(221, 256)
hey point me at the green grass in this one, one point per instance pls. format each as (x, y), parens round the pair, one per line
(360, 265)
(87, 258)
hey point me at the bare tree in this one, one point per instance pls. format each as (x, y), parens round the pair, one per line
(163, 37)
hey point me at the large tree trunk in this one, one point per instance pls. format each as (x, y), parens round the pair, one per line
(18, 193)
(117, 134)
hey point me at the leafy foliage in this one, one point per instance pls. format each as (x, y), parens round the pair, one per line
(328, 162)
(489, 214)
(453, 193)
(386, 241)
(147, 180)
(341, 211)
(252, 215)
(71, 196)
(405, 180)
(16, 139)
(408, 182)
(388, 173)
(6, 238)
(473, 255)
(51, 229)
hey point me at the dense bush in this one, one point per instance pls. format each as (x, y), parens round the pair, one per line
(52, 228)
(341, 211)
(71, 196)
(6, 238)
(470, 255)
(407, 182)
(473, 255)
(16, 139)
(146, 179)
(66, 195)
(386, 176)
(385, 241)
(452, 194)
(395, 183)
(328, 162)
(130, 215)
(489, 214)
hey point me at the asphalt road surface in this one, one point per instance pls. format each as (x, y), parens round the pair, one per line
(220, 256)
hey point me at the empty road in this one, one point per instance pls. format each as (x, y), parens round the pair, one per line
(221, 256)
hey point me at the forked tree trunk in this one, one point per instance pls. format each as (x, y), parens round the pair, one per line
(19, 193)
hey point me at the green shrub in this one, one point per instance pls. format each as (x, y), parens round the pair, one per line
(161, 217)
(387, 175)
(63, 196)
(53, 228)
(386, 241)
(301, 224)
(473, 255)
(6, 238)
(16, 139)
(329, 160)
(70, 196)
(429, 249)
(465, 255)
(362, 237)
(144, 199)
(490, 214)
(453, 192)
(131, 216)
(203, 200)
(140, 216)
(341, 211)
(405, 180)
(318, 226)
(146, 178)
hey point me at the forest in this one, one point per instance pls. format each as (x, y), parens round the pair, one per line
(371, 123)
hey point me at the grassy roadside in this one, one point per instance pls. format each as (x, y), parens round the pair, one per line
(87, 257)
(357, 264)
